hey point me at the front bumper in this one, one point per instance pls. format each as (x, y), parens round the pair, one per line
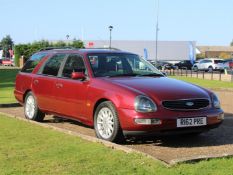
(175, 131)
(168, 124)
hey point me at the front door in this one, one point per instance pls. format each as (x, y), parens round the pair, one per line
(71, 94)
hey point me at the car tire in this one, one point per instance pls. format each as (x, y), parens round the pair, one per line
(107, 124)
(210, 69)
(195, 68)
(31, 110)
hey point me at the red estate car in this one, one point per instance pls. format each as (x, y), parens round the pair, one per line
(118, 93)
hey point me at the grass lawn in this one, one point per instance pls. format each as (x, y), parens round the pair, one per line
(7, 79)
(26, 148)
(213, 84)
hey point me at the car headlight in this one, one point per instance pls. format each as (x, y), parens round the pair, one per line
(144, 104)
(215, 101)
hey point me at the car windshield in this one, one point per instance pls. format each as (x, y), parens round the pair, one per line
(120, 64)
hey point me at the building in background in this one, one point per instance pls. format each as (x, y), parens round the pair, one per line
(216, 51)
(171, 51)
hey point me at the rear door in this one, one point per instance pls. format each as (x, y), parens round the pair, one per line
(70, 94)
(43, 82)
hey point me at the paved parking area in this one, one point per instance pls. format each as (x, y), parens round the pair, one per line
(170, 149)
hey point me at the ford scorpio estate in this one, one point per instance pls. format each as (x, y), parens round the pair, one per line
(117, 93)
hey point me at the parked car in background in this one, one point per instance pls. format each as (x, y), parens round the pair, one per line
(226, 64)
(186, 64)
(208, 64)
(163, 65)
(117, 93)
(8, 62)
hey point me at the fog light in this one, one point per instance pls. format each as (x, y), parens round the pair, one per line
(153, 121)
(221, 116)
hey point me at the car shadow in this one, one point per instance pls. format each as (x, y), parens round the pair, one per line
(57, 119)
(215, 137)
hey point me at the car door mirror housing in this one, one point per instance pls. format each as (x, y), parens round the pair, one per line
(78, 76)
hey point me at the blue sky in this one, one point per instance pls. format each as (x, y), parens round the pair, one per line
(209, 22)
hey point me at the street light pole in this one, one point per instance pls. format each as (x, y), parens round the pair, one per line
(157, 33)
(110, 39)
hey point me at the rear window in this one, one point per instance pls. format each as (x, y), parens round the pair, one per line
(218, 61)
(32, 62)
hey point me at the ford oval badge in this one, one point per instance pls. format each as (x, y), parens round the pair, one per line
(189, 103)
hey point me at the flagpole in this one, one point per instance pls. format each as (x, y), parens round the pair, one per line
(157, 33)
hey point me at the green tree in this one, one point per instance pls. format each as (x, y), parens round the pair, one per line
(59, 44)
(21, 50)
(7, 44)
(26, 50)
(200, 56)
(225, 55)
(77, 44)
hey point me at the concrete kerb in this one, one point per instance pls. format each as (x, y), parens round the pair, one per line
(91, 139)
(199, 158)
(9, 105)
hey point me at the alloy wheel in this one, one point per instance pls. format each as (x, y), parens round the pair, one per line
(105, 123)
(30, 107)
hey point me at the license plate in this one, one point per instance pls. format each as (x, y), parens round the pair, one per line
(189, 122)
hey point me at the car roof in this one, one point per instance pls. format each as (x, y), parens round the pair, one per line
(212, 59)
(229, 59)
(83, 51)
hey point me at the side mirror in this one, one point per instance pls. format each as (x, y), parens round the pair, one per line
(78, 76)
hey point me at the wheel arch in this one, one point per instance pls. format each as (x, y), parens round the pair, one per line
(25, 94)
(97, 104)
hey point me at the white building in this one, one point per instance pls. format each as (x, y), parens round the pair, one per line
(166, 50)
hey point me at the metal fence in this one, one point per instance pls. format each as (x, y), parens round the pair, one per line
(214, 75)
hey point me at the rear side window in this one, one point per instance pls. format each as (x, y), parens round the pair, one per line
(32, 62)
(205, 61)
(208, 61)
(52, 66)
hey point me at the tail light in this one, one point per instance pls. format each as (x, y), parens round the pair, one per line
(231, 64)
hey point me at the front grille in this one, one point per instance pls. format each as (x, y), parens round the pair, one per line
(187, 104)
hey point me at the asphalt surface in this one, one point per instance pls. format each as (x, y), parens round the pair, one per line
(170, 149)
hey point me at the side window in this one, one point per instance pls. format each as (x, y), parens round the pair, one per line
(32, 62)
(52, 66)
(74, 63)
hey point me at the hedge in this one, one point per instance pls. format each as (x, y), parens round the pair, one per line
(26, 50)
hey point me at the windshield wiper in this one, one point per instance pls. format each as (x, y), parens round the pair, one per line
(151, 75)
(123, 75)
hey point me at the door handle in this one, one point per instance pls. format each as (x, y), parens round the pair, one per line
(36, 82)
(59, 85)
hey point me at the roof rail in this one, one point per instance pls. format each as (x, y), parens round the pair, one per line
(54, 48)
(106, 48)
(68, 47)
